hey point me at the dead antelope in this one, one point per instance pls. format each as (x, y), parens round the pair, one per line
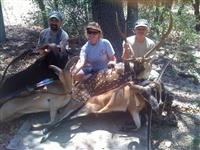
(53, 98)
(126, 97)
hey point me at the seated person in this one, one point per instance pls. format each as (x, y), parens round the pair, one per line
(52, 45)
(138, 45)
(97, 53)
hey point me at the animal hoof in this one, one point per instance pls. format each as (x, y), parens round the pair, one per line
(127, 127)
(45, 137)
(37, 127)
(45, 131)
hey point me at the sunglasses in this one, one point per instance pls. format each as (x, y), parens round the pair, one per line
(141, 29)
(93, 32)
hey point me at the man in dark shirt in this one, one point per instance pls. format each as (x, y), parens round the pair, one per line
(52, 45)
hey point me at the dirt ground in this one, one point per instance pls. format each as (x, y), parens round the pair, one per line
(18, 39)
(186, 92)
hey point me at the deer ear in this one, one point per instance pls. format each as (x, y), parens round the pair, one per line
(56, 69)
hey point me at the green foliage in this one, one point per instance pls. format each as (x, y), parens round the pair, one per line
(158, 18)
(182, 37)
(183, 24)
(195, 143)
(76, 14)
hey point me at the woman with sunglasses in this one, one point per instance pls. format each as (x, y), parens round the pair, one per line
(97, 53)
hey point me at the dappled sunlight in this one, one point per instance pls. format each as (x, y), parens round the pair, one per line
(88, 132)
(16, 12)
(178, 125)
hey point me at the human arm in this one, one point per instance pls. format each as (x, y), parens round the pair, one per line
(78, 67)
(150, 53)
(127, 50)
(110, 54)
(112, 62)
(49, 41)
(64, 43)
(81, 62)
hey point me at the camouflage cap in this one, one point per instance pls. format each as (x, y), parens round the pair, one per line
(94, 25)
(142, 23)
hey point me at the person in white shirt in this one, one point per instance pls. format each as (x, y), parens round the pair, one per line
(139, 44)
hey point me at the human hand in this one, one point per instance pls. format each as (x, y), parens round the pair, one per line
(127, 51)
(143, 59)
(126, 45)
(43, 50)
(48, 47)
(111, 64)
(140, 59)
(52, 46)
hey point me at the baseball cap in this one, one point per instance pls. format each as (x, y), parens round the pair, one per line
(142, 23)
(94, 25)
(57, 15)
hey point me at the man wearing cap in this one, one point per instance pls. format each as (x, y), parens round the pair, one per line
(138, 45)
(52, 45)
(54, 36)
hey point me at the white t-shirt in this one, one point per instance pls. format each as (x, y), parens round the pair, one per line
(97, 55)
(141, 48)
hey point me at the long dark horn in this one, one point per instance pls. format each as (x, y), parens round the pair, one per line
(56, 69)
(162, 39)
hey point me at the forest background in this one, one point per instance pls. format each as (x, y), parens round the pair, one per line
(21, 21)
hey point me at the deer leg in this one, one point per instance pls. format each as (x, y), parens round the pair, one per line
(130, 125)
(136, 119)
(108, 106)
(53, 111)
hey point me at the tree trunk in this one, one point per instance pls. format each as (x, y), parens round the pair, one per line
(104, 12)
(2, 27)
(168, 4)
(56, 4)
(132, 16)
(197, 15)
(43, 11)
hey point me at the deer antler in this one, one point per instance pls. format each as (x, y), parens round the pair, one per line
(162, 39)
(71, 62)
(123, 35)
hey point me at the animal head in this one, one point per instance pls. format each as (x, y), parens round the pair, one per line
(65, 75)
(65, 78)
